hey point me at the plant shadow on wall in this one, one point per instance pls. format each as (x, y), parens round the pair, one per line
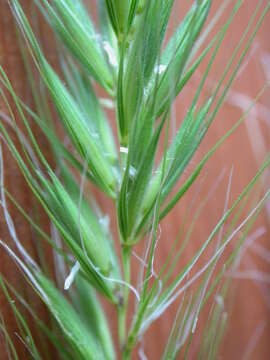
(143, 163)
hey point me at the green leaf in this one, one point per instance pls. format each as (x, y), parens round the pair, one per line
(80, 134)
(112, 15)
(184, 144)
(83, 92)
(136, 181)
(134, 4)
(71, 116)
(105, 26)
(73, 25)
(121, 9)
(140, 61)
(176, 54)
(91, 312)
(205, 159)
(81, 229)
(78, 337)
(58, 148)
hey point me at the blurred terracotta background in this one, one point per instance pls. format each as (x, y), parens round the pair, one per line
(248, 331)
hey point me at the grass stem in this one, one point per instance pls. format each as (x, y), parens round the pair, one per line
(122, 310)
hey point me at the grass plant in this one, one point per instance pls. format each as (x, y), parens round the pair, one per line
(131, 65)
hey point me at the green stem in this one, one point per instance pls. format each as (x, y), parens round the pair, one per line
(133, 334)
(126, 354)
(122, 310)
